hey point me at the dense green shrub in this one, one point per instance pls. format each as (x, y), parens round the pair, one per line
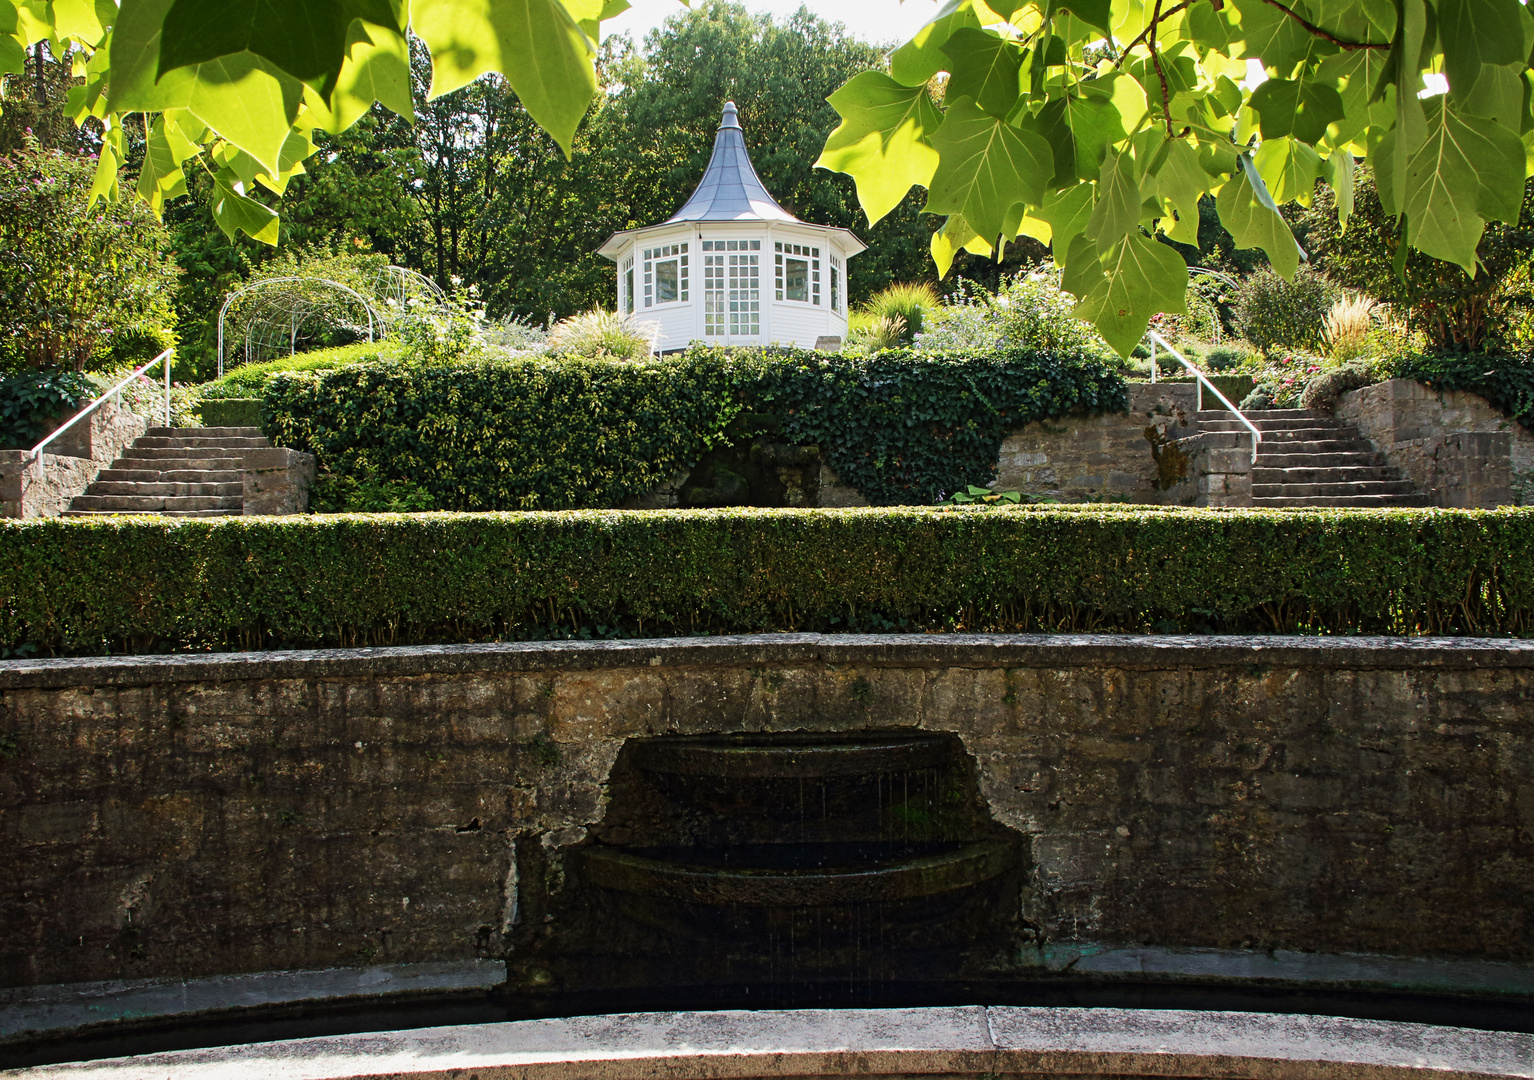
(914, 305)
(229, 412)
(32, 403)
(249, 380)
(80, 287)
(1505, 381)
(1028, 311)
(92, 586)
(1273, 313)
(549, 433)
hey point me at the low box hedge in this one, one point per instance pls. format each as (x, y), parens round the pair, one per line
(140, 585)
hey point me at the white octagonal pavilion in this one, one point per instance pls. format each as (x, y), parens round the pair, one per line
(732, 267)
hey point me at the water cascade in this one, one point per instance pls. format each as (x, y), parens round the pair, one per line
(791, 868)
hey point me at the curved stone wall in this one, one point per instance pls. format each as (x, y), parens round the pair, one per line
(180, 816)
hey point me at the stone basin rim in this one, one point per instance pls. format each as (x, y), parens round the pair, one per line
(969, 1041)
(927, 875)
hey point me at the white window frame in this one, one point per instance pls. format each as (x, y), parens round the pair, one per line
(810, 255)
(653, 259)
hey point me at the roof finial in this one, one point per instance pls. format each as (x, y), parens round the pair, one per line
(729, 119)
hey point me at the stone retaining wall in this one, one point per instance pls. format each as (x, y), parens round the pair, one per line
(44, 487)
(191, 815)
(1455, 446)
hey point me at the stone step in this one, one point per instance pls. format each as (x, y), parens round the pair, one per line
(156, 487)
(1266, 426)
(200, 464)
(167, 453)
(171, 476)
(1265, 414)
(1323, 460)
(156, 503)
(205, 432)
(1360, 487)
(225, 442)
(1308, 434)
(1329, 474)
(1314, 446)
(1323, 501)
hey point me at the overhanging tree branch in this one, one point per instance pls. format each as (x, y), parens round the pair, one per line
(1325, 35)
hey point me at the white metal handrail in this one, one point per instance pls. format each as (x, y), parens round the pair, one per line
(37, 450)
(1156, 339)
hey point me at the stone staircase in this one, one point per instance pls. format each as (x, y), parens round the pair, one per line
(175, 472)
(1310, 458)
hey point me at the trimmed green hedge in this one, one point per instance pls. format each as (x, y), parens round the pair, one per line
(554, 434)
(230, 412)
(137, 585)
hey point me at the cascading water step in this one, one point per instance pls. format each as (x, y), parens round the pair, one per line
(775, 860)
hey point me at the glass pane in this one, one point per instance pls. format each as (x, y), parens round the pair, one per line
(665, 282)
(628, 292)
(796, 279)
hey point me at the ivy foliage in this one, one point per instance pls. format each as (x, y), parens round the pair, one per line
(1507, 381)
(143, 585)
(553, 434)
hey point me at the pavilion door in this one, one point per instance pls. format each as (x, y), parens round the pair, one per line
(732, 291)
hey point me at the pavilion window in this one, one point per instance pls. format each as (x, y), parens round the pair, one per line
(796, 271)
(665, 274)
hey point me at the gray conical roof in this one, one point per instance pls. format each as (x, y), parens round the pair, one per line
(730, 189)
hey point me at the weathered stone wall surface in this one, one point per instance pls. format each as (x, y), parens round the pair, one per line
(188, 815)
(276, 480)
(45, 487)
(1108, 456)
(1453, 445)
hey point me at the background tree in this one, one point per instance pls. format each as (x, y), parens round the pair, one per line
(1454, 310)
(81, 288)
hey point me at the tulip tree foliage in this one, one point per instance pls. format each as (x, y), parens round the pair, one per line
(1092, 125)
(239, 87)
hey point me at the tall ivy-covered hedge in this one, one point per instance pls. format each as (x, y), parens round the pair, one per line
(551, 434)
(142, 585)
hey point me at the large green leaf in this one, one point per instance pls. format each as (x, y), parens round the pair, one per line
(1467, 170)
(922, 57)
(1140, 278)
(235, 213)
(1254, 223)
(377, 68)
(1067, 213)
(536, 44)
(955, 236)
(1290, 167)
(984, 67)
(242, 97)
(1266, 33)
(1299, 107)
(883, 141)
(305, 38)
(985, 167)
(78, 19)
(1182, 181)
(1117, 211)
(1476, 32)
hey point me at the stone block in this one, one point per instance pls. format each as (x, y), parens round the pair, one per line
(277, 481)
